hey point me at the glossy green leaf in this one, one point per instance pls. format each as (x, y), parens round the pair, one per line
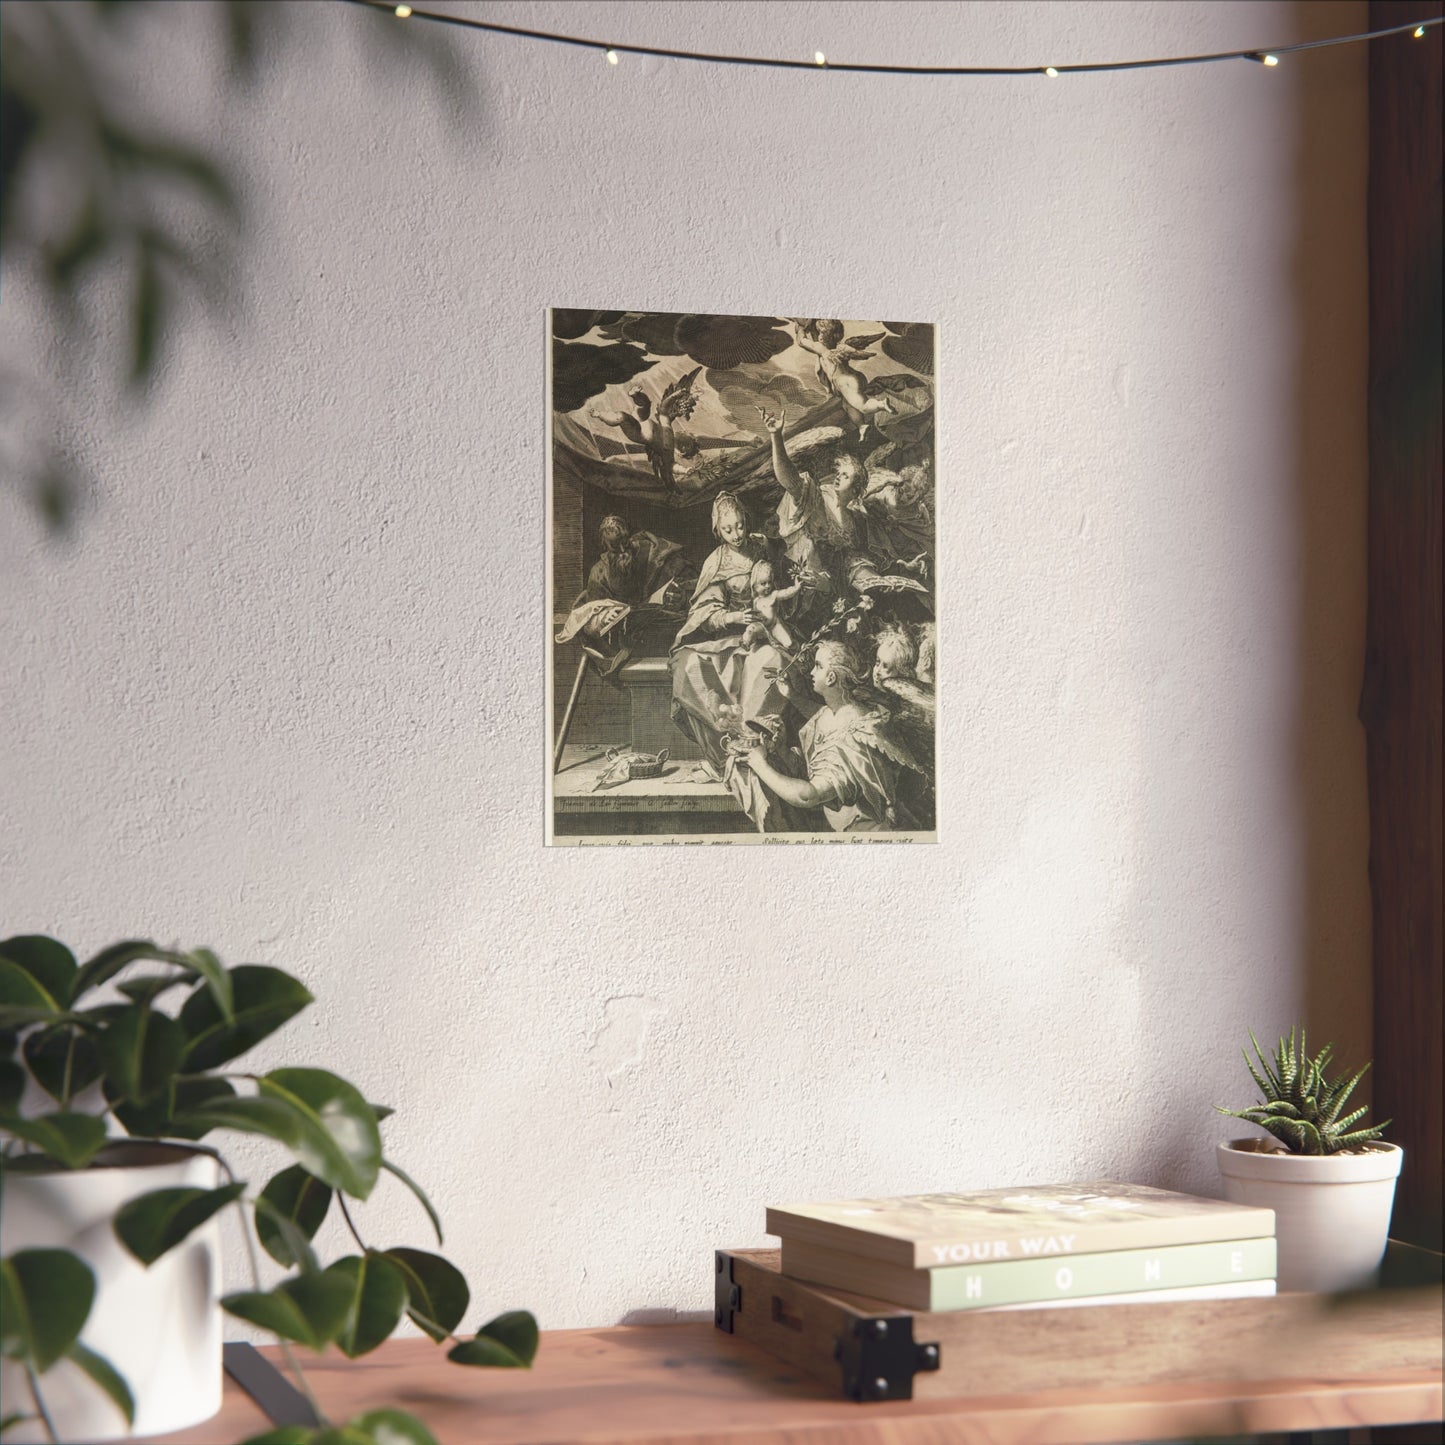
(507, 1342)
(299, 1197)
(73, 1139)
(141, 1051)
(104, 1374)
(382, 1111)
(392, 1427)
(151, 1224)
(437, 1293)
(150, 987)
(9, 1422)
(12, 1086)
(341, 1435)
(109, 962)
(303, 1257)
(378, 1296)
(416, 1189)
(213, 971)
(50, 964)
(23, 999)
(269, 1117)
(10, 1041)
(284, 1435)
(14, 1326)
(310, 1310)
(188, 1094)
(340, 1143)
(45, 1300)
(278, 1115)
(164, 1116)
(263, 999)
(63, 1060)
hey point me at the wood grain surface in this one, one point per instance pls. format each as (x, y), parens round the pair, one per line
(695, 1385)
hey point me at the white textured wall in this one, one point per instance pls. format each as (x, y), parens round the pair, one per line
(283, 693)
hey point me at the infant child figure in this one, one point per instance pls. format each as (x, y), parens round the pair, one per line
(768, 624)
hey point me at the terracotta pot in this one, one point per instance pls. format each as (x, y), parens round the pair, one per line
(1331, 1211)
(160, 1327)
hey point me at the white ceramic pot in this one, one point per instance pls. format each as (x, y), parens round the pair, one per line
(1331, 1211)
(160, 1327)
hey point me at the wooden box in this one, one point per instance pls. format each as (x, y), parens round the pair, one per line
(870, 1350)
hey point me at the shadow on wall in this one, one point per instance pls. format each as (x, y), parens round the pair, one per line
(1322, 971)
(91, 188)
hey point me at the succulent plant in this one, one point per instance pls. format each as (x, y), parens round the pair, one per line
(1301, 1107)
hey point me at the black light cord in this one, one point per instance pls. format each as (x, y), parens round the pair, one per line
(612, 50)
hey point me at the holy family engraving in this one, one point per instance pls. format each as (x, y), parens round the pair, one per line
(743, 639)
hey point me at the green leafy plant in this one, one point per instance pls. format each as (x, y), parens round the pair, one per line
(171, 1075)
(1302, 1108)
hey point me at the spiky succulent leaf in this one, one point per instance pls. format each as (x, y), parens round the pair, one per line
(1299, 1105)
(1360, 1136)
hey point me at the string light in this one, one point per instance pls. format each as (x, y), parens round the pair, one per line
(1260, 56)
(612, 57)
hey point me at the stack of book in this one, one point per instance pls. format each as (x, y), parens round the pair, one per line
(1031, 1247)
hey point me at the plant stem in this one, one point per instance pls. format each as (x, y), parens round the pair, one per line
(66, 1078)
(346, 1215)
(292, 1363)
(39, 1403)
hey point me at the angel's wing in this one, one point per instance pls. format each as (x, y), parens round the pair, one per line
(679, 399)
(860, 343)
(895, 382)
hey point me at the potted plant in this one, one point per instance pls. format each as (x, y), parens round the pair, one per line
(113, 1083)
(1331, 1185)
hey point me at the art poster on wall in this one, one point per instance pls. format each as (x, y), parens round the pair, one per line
(742, 638)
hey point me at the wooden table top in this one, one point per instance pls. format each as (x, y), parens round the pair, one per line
(692, 1384)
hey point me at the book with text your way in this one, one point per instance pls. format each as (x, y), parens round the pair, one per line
(992, 1226)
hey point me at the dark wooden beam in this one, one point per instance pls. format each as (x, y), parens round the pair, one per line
(1400, 702)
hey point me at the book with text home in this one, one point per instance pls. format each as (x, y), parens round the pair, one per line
(924, 1231)
(1031, 1281)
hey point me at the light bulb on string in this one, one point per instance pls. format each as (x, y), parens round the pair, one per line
(1260, 57)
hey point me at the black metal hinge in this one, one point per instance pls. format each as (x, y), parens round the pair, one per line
(727, 1296)
(880, 1358)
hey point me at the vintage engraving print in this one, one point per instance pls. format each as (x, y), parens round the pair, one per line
(743, 642)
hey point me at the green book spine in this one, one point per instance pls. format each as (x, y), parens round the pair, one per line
(1027, 1281)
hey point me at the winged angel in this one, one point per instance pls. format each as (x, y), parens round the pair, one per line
(650, 425)
(836, 360)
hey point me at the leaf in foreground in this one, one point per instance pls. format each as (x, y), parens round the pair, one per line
(340, 1143)
(299, 1197)
(310, 1310)
(104, 1374)
(437, 1292)
(45, 1297)
(151, 1224)
(73, 1139)
(393, 1427)
(378, 1296)
(507, 1342)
